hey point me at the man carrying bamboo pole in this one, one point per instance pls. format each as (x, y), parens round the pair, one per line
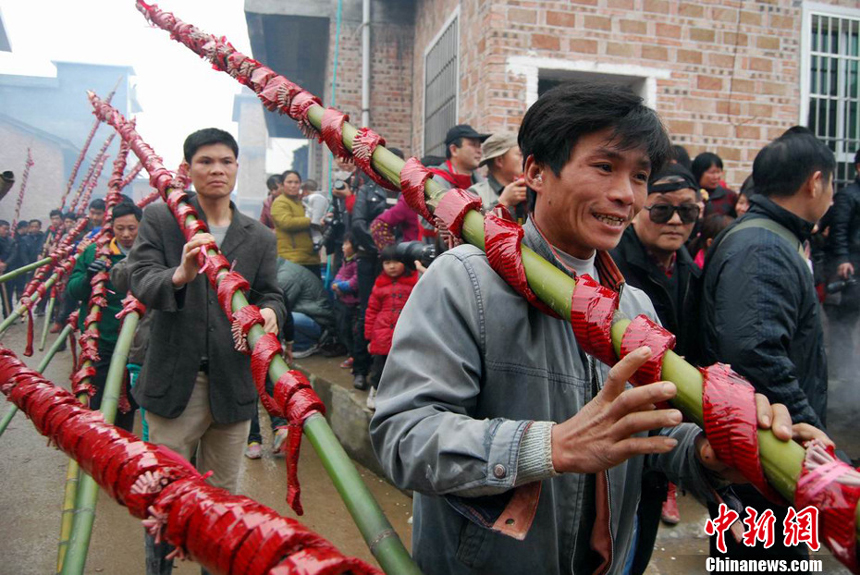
(196, 388)
(477, 376)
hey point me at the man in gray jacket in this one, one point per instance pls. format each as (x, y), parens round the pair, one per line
(196, 388)
(476, 377)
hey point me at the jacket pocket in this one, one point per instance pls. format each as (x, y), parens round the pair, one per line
(474, 546)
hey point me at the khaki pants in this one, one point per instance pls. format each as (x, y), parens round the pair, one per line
(219, 447)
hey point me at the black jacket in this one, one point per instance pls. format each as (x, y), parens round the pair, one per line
(371, 201)
(843, 243)
(760, 314)
(672, 298)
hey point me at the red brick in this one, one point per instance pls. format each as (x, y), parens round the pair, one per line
(598, 23)
(668, 31)
(767, 42)
(620, 49)
(584, 46)
(620, 4)
(748, 132)
(691, 10)
(716, 130)
(702, 34)
(761, 64)
(761, 110)
(522, 16)
(650, 52)
(545, 42)
(710, 83)
(743, 86)
(731, 154)
(724, 14)
(704, 106)
(567, 19)
(659, 6)
(689, 57)
(777, 21)
(732, 39)
(721, 60)
(634, 26)
(681, 126)
(729, 108)
(750, 18)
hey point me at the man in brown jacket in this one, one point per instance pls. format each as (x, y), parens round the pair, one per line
(196, 389)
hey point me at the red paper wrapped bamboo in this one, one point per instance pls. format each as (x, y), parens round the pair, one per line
(224, 533)
(73, 205)
(27, 165)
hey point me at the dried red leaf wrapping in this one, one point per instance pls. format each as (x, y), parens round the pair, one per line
(298, 111)
(503, 243)
(363, 146)
(266, 348)
(28, 350)
(643, 331)
(413, 175)
(331, 133)
(454, 206)
(731, 424)
(592, 308)
(131, 304)
(837, 506)
(243, 320)
(81, 381)
(230, 283)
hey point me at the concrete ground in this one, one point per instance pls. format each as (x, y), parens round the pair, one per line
(32, 475)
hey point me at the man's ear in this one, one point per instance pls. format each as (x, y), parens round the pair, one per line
(534, 174)
(814, 185)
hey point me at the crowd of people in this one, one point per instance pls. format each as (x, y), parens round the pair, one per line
(499, 422)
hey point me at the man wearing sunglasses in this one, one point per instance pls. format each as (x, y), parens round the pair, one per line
(652, 257)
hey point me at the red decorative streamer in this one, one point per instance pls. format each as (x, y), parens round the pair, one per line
(332, 133)
(592, 308)
(454, 206)
(363, 146)
(412, 179)
(23, 188)
(643, 331)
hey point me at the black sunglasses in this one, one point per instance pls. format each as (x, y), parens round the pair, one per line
(662, 213)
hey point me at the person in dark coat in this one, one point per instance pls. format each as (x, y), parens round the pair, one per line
(759, 310)
(196, 388)
(842, 263)
(707, 169)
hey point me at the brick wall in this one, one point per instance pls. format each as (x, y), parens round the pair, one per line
(733, 78)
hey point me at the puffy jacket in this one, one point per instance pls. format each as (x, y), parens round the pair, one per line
(387, 300)
(843, 243)
(304, 293)
(347, 280)
(760, 313)
(472, 367)
(398, 223)
(292, 229)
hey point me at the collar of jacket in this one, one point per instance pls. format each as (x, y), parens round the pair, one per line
(610, 275)
(636, 255)
(494, 184)
(409, 277)
(764, 206)
(237, 231)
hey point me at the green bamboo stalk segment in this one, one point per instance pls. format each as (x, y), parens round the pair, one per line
(48, 315)
(19, 311)
(24, 269)
(67, 519)
(88, 490)
(7, 419)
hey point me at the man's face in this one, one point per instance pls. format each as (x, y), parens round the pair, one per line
(97, 217)
(467, 156)
(293, 186)
(69, 223)
(213, 171)
(125, 230)
(508, 166)
(590, 203)
(669, 237)
(56, 221)
(4, 231)
(35, 227)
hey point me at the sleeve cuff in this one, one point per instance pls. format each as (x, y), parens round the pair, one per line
(535, 458)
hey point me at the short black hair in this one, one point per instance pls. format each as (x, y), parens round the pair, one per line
(781, 167)
(680, 155)
(397, 152)
(288, 172)
(208, 137)
(552, 127)
(389, 253)
(273, 181)
(55, 213)
(22, 224)
(4, 223)
(458, 143)
(126, 209)
(748, 187)
(704, 162)
(97, 205)
(36, 221)
(70, 216)
(431, 160)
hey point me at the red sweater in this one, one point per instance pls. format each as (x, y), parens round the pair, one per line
(387, 299)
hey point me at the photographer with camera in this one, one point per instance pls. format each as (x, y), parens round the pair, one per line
(843, 259)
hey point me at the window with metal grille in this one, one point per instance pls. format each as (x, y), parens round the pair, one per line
(441, 64)
(833, 51)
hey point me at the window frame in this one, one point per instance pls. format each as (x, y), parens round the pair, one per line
(454, 16)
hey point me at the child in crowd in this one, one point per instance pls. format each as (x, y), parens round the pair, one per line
(345, 288)
(389, 295)
(711, 228)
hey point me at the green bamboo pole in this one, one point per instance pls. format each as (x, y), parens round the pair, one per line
(24, 269)
(48, 315)
(7, 419)
(23, 308)
(88, 490)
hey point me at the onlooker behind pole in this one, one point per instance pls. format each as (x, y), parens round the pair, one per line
(346, 181)
(7, 248)
(310, 307)
(315, 209)
(711, 228)
(125, 221)
(275, 184)
(652, 257)
(396, 224)
(293, 227)
(746, 192)
(371, 200)
(678, 155)
(504, 184)
(346, 302)
(707, 169)
(843, 261)
(759, 309)
(389, 295)
(96, 216)
(20, 257)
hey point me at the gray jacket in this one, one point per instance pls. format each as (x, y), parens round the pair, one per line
(471, 367)
(188, 324)
(304, 293)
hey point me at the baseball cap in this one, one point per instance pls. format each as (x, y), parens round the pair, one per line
(463, 131)
(497, 145)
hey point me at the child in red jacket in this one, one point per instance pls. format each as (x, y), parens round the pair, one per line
(389, 295)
